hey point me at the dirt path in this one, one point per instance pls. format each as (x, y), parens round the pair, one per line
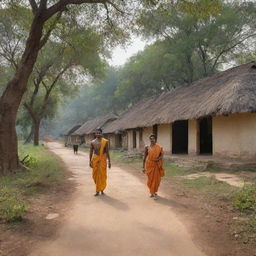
(123, 222)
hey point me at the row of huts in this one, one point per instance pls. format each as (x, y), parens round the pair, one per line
(215, 115)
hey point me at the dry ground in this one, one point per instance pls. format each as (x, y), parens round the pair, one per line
(124, 222)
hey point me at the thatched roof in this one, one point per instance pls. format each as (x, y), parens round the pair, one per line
(90, 126)
(227, 92)
(69, 130)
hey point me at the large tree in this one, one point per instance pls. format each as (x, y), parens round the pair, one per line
(45, 15)
(201, 42)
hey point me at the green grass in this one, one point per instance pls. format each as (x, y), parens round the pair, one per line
(245, 199)
(245, 202)
(173, 170)
(15, 189)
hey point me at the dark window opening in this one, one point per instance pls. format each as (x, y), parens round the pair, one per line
(180, 137)
(205, 130)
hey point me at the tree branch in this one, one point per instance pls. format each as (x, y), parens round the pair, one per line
(31, 112)
(230, 48)
(108, 18)
(48, 90)
(48, 33)
(62, 4)
(115, 6)
(33, 6)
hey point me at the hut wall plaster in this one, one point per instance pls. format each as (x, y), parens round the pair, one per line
(235, 135)
(125, 141)
(164, 137)
(130, 139)
(193, 137)
(147, 131)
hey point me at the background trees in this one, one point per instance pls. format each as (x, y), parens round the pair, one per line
(104, 15)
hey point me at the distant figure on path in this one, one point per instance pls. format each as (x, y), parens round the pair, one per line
(99, 153)
(75, 146)
(153, 165)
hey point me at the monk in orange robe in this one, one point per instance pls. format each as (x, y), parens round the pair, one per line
(153, 165)
(99, 153)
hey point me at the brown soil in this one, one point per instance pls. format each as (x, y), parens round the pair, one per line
(209, 220)
(20, 238)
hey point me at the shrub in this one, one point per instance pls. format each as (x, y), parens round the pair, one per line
(245, 199)
(11, 207)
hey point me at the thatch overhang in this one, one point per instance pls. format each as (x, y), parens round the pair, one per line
(228, 92)
(90, 126)
(69, 130)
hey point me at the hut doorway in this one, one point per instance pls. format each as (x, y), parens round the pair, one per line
(205, 135)
(134, 139)
(119, 140)
(180, 137)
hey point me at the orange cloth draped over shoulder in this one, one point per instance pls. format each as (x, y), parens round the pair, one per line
(99, 165)
(154, 170)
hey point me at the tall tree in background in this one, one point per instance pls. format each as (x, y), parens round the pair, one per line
(55, 71)
(197, 41)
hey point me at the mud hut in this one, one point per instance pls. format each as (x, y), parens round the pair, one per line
(215, 115)
(86, 132)
(68, 139)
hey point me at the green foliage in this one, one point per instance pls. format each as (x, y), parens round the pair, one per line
(198, 41)
(200, 8)
(16, 188)
(12, 208)
(31, 162)
(246, 198)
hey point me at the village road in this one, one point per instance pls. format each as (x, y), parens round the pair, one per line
(124, 222)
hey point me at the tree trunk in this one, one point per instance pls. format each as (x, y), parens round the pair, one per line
(8, 143)
(36, 132)
(11, 98)
(30, 136)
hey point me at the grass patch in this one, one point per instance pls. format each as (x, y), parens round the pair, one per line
(132, 158)
(245, 202)
(173, 170)
(233, 169)
(15, 189)
(245, 199)
(211, 187)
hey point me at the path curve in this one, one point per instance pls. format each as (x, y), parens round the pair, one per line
(124, 222)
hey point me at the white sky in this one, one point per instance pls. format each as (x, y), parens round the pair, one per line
(121, 54)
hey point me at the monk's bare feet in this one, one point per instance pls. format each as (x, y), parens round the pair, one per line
(152, 195)
(97, 194)
(155, 197)
(102, 192)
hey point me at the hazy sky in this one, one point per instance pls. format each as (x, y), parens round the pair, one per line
(121, 54)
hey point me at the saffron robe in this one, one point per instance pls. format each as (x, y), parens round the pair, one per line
(154, 170)
(99, 165)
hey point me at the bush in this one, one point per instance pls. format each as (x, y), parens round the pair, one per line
(246, 198)
(12, 210)
(11, 206)
(16, 188)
